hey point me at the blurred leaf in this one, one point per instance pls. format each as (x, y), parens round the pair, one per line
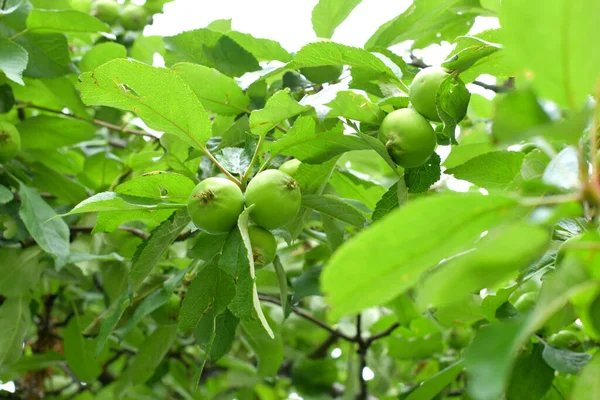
(20, 270)
(531, 376)
(563, 170)
(61, 21)
(5, 194)
(307, 284)
(587, 386)
(10, 6)
(461, 154)
(79, 352)
(422, 233)
(492, 171)
(474, 50)
(145, 47)
(13, 60)
(100, 54)
(156, 95)
(268, 349)
(151, 353)
(433, 386)
(57, 132)
(517, 112)
(334, 207)
(329, 14)
(14, 320)
(563, 360)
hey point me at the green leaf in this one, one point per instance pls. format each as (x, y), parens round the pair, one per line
(434, 385)
(496, 258)
(50, 233)
(20, 270)
(212, 49)
(261, 49)
(13, 60)
(234, 261)
(110, 319)
(404, 244)
(282, 281)
(349, 104)
(329, 14)
(350, 186)
(63, 21)
(221, 331)
(335, 207)
(145, 47)
(452, 101)
(209, 294)
(389, 201)
(79, 352)
(10, 6)
(587, 386)
(111, 201)
(159, 185)
(48, 55)
(100, 54)
(220, 25)
(330, 53)
(151, 353)
(5, 195)
(150, 251)
(157, 95)
(14, 321)
(464, 152)
(427, 21)
(279, 107)
(473, 49)
(57, 132)
(561, 34)
(563, 360)
(216, 91)
(531, 376)
(495, 170)
(420, 179)
(268, 349)
(516, 113)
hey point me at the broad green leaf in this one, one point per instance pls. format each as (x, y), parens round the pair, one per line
(261, 49)
(63, 90)
(587, 386)
(495, 170)
(422, 339)
(421, 234)
(212, 49)
(79, 352)
(10, 6)
(388, 202)
(20, 270)
(279, 107)
(211, 291)
(429, 389)
(351, 186)
(531, 376)
(50, 233)
(517, 112)
(464, 152)
(150, 251)
(216, 91)
(330, 53)
(452, 101)
(495, 258)
(159, 185)
(100, 54)
(561, 33)
(335, 207)
(63, 21)
(110, 319)
(34, 362)
(307, 284)
(14, 322)
(563, 360)
(111, 201)
(351, 105)
(5, 195)
(420, 179)
(13, 60)
(223, 328)
(48, 55)
(268, 349)
(473, 49)
(56, 131)
(329, 14)
(145, 47)
(426, 21)
(151, 353)
(157, 95)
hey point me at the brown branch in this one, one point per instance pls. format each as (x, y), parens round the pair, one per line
(321, 351)
(382, 334)
(91, 121)
(301, 313)
(363, 347)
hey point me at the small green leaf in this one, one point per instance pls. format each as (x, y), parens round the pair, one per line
(5, 195)
(61, 21)
(335, 207)
(495, 170)
(351, 105)
(420, 179)
(151, 353)
(20, 270)
(473, 50)
(262, 49)
(13, 60)
(279, 107)
(452, 101)
(563, 360)
(329, 14)
(100, 54)
(14, 322)
(79, 352)
(587, 386)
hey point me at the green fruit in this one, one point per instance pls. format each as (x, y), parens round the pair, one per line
(459, 338)
(408, 137)
(264, 246)
(314, 376)
(8, 226)
(276, 199)
(82, 5)
(526, 302)
(528, 148)
(134, 18)
(215, 204)
(10, 141)
(106, 10)
(290, 167)
(323, 74)
(168, 312)
(423, 89)
(564, 340)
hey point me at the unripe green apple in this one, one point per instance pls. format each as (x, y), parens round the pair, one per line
(408, 137)
(215, 205)
(134, 18)
(10, 141)
(82, 5)
(290, 167)
(106, 10)
(423, 89)
(459, 338)
(264, 246)
(526, 302)
(168, 312)
(564, 340)
(275, 197)
(322, 74)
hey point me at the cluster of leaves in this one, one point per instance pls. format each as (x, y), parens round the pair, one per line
(108, 291)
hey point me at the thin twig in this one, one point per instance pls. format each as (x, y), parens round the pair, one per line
(300, 312)
(362, 360)
(382, 334)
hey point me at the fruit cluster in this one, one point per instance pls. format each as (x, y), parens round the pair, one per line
(407, 133)
(131, 17)
(216, 203)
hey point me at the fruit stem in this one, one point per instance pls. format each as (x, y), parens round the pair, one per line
(223, 170)
(246, 175)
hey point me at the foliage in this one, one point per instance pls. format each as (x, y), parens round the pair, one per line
(349, 260)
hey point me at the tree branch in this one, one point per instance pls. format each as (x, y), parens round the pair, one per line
(382, 334)
(362, 360)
